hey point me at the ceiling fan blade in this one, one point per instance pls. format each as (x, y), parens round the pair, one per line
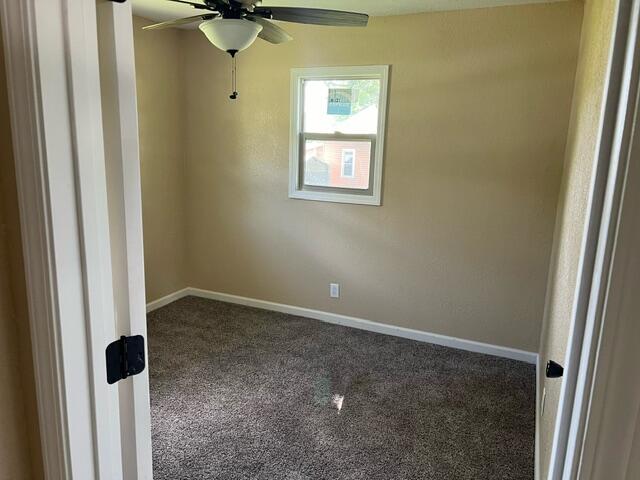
(193, 4)
(314, 16)
(270, 31)
(181, 21)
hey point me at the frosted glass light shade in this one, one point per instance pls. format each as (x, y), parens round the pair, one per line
(231, 33)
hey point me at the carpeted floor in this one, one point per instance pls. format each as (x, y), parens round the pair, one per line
(242, 393)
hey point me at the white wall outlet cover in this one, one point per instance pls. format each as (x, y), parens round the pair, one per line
(334, 290)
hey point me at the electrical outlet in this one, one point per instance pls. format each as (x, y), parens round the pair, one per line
(334, 290)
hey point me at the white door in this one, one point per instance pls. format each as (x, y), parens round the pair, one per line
(120, 129)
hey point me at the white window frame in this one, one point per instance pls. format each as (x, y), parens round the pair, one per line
(370, 196)
(352, 151)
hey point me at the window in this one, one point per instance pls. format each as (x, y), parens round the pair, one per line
(337, 133)
(348, 168)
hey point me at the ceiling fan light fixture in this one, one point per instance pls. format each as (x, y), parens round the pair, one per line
(230, 34)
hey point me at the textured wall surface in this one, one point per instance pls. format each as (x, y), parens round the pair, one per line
(578, 172)
(160, 86)
(14, 444)
(20, 455)
(479, 107)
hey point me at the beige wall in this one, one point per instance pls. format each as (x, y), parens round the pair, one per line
(161, 120)
(478, 114)
(20, 455)
(634, 458)
(570, 223)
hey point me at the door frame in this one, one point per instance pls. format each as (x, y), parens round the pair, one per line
(590, 322)
(54, 97)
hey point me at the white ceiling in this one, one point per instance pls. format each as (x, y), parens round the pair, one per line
(161, 10)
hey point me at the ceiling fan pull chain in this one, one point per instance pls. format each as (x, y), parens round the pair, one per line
(234, 93)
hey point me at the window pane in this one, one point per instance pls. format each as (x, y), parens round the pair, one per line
(337, 163)
(345, 106)
(348, 156)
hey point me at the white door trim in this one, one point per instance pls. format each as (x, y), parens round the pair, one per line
(54, 99)
(610, 419)
(616, 267)
(595, 263)
(28, 144)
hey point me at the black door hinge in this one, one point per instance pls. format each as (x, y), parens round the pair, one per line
(125, 357)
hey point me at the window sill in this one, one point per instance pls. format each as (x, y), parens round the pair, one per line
(336, 197)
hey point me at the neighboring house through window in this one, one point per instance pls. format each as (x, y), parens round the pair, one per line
(348, 163)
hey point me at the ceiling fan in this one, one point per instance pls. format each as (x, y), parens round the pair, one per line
(233, 25)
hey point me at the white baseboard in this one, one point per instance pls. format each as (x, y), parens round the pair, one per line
(354, 322)
(536, 451)
(167, 299)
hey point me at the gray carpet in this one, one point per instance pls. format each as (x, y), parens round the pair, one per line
(242, 393)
